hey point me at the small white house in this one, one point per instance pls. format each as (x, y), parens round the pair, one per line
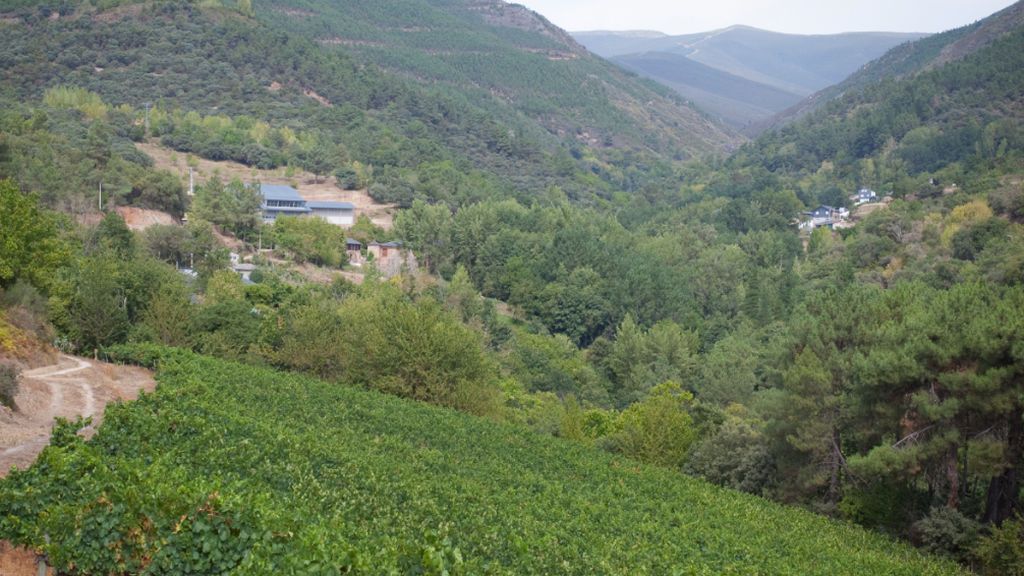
(245, 270)
(864, 195)
(824, 216)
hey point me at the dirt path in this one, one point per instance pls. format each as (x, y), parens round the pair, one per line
(18, 561)
(73, 387)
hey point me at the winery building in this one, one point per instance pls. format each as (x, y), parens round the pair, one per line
(282, 200)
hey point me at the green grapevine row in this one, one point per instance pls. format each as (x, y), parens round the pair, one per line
(233, 469)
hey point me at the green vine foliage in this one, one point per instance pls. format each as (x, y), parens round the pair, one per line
(233, 469)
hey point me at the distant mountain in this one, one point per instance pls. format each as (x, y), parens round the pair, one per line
(915, 57)
(795, 66)
(735, 100)
(611, 43)
(948, 99)
(801, 64)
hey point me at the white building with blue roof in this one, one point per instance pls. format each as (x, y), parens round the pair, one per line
(282, 200)
(337, 213)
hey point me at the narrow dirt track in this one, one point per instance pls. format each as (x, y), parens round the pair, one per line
(73, 387)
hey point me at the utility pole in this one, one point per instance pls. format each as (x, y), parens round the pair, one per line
(101, 197)
(191, 183)
(148, 105)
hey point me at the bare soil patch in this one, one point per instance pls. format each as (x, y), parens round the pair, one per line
(323, 101)
(119, 13)
(18, 561)
(865, 210)
(142, 218)
(295, 12)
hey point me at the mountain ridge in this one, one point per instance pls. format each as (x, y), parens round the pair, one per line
(797, 64)
(735, 100)
(508, 56)
(912, 58)
(605, 45)
(909, 115)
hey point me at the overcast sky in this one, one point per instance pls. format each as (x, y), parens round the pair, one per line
(794, 16)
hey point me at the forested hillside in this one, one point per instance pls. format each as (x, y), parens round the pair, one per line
(511, 62)
(915, 57)
(738, 101)
(968, 109)
(514, 114)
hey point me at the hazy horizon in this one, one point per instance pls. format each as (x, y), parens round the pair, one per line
(786, 16)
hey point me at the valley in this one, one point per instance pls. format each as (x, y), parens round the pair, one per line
(430, 287)
(743, 75)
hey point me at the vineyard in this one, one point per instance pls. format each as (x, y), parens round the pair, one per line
(235, 469)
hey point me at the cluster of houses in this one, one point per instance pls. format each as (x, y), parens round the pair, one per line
(388, 257)
(832, 217)
(282, 200)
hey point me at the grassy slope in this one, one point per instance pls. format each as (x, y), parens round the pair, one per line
(375, 473)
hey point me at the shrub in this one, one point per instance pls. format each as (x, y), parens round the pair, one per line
(9, 383)
(1001, 552)
(25, 295)
(311, 240)
(347, 178)
(1008, 200)
(736, 455)
(30, 322)
(26, 309)
(658, 430)
(947, 532)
